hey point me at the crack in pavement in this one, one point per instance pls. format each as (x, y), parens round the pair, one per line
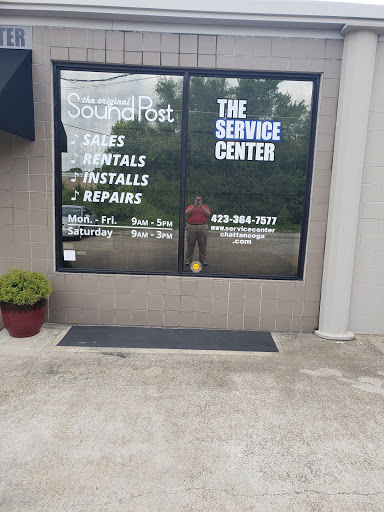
(259, 495)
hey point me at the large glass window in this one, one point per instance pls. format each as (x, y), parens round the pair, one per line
(248, 147)
(120, 171)
(173, 173)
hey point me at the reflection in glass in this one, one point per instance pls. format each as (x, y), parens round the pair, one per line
(251, 169)
(123, 164)
(247, 154)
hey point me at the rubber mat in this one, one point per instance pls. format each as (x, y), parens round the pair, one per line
(151, 337)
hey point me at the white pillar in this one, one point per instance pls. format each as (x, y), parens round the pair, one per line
(347, 170)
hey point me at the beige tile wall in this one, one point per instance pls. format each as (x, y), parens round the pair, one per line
(26, 189)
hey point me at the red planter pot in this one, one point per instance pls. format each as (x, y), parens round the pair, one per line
(23, 321)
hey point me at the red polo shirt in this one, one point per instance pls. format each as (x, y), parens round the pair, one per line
(197, 216)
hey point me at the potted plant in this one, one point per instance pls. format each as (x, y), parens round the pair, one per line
(23, 301)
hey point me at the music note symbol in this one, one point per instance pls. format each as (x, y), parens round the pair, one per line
(76, 174)
(74, 160)
(76, 194)
(74, 141)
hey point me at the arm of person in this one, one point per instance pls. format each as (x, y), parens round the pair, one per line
(189, 210)
(206, 210)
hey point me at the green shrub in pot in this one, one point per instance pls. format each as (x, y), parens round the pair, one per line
(23, 298)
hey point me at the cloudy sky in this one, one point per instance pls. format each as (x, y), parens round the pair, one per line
(372, 2)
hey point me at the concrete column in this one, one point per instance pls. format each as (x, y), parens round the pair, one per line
(347, 170)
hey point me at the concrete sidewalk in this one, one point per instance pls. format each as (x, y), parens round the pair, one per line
(86, 430)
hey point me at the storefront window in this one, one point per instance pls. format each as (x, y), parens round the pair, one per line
(222, 191)
(248, 147)
(120, 171)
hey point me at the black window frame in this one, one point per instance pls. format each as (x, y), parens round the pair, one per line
(187, 74)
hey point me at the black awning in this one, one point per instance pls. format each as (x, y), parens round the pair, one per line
(16, 93)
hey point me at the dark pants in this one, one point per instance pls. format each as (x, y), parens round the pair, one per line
(196, 233)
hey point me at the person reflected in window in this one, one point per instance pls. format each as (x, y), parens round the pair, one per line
(197, 230)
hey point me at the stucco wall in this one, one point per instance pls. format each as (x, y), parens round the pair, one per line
(26, 195)
(367, 299)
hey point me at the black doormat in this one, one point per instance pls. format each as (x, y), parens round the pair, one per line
(150, 337)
